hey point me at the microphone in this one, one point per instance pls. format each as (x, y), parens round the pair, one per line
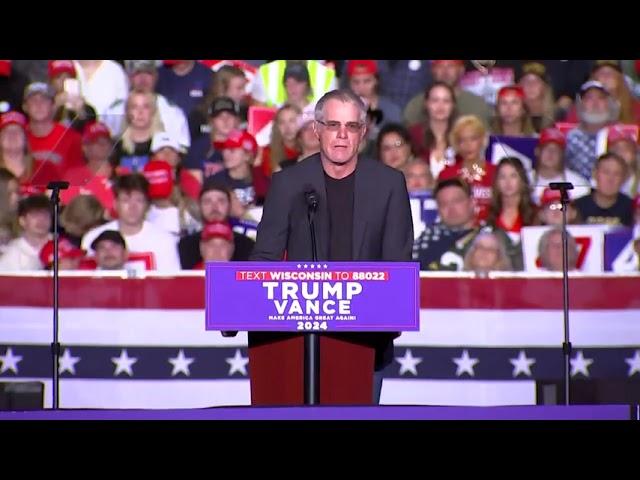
(311, 197)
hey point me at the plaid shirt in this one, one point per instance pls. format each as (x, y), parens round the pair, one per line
(580, 154)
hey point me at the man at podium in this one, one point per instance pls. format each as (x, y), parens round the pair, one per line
(362, 213)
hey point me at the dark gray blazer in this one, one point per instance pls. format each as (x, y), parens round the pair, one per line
(382, 227)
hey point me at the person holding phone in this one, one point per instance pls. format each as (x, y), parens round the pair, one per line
(70, 107)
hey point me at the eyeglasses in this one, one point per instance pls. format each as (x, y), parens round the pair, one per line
(333, 126)
(392, 146)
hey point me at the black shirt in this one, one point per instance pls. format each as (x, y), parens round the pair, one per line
(243, 188)
(133, 161)
(189, 249)
(340, 203)
(620, 213)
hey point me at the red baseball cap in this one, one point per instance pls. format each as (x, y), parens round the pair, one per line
(56, 67)
(549, 196)
(514, 89)
(241, 139)
(355, 67)
(159, 174)
(13, 117)
(552, 135)
(217, 229)
(95, 130)
(65, 250)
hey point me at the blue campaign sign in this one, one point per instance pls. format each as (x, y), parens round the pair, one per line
(619, 254)
(522, 148)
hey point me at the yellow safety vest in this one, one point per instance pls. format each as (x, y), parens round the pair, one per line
(272, 74)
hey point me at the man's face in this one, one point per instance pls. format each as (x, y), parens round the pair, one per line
(341, 132)
(216, 250)
(417, 176)
(363, 84)
(131, 207)
(448, 72)
(214, 206)
(223, 123)
(296, 90)
(110, 255)
(144, 81)
(36, 223)
(98, 150)
(39, 107)
(609, 176)
(595, 106)
(455, 207)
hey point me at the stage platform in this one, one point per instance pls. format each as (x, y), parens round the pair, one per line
(551, 412)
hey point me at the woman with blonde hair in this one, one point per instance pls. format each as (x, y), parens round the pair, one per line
(469, 140)
(83, 213)
(142, 122)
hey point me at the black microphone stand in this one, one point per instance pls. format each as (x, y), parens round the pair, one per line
(55, 188)
(564, 187)
(312, 340)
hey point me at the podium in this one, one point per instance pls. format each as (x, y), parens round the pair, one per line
(355, 308)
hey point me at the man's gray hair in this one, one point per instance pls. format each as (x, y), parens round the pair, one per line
(345, 96)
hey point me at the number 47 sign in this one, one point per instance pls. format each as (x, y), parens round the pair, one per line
(589, 242)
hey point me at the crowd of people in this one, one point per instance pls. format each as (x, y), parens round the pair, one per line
(162, 165)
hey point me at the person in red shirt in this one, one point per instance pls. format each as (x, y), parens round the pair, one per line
(469, 140)
(48, 140)
(33, 175)
(94, 176)
(511, 205)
